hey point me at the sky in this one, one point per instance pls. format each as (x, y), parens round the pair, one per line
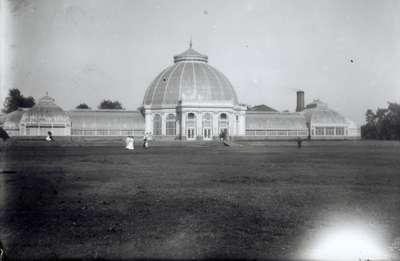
(343, 52)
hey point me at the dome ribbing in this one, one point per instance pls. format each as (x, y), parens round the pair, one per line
(190, 80)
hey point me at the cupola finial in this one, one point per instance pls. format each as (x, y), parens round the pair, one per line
(190, 43)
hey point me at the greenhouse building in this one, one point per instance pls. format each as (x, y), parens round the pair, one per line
(188, 100)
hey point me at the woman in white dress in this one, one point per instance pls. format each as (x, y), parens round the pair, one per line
(145, 141)
(130, 143)
(49, 136)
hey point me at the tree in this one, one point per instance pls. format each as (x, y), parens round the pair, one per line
(110, 105)
(384, 124)
(369, 131)
(83, 106)
(370, 116)
(16, 100)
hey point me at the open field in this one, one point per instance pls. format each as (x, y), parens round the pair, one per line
(192, 200)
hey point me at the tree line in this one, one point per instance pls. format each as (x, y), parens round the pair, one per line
(16, 100)
(383, 124)
(104, 105)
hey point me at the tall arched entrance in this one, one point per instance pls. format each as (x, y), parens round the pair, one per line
(223, 124)
(191, 126)
(171, 125)
(207, 126)
(157, 125)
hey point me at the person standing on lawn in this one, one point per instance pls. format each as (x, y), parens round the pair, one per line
(130, 143)
(299, 141)
(49, 136)
(145, 141)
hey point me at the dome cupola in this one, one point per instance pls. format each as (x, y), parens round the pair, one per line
(190, 55)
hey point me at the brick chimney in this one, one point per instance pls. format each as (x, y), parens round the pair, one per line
(300, 101)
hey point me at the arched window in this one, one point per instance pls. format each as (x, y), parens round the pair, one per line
(223, 123)
(171, 125)
(157, 123)
(191, 116)
(223, 116)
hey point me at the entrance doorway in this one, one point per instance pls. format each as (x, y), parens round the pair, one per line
(224, 131)
(190, 133)
(207, 134)
(191, 126)
(223, 123)
(207, 126)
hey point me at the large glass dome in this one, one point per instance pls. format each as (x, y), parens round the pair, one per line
(190, 81)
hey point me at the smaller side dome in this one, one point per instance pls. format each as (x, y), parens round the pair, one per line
(46, 111)
(318, 112)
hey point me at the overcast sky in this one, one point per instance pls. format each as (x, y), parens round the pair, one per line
(85, 51)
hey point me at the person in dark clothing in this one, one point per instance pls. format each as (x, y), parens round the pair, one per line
(3, 134)
(299, 141)
(2, 254)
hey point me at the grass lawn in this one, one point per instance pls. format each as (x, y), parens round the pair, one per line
(199, 200)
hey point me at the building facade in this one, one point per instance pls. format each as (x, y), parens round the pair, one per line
(106, 123)
(189, 100)
(192, 100)
(275, 125)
